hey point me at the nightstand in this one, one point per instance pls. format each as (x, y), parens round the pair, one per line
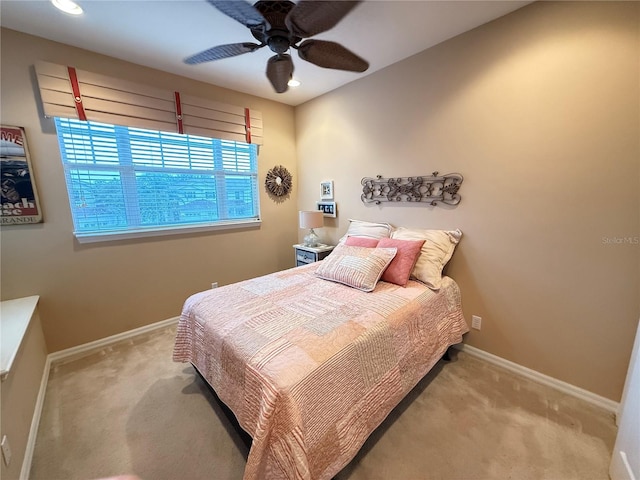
(306, 255)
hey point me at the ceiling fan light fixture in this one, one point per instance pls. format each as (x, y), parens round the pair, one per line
(293, 82)
(68, 6)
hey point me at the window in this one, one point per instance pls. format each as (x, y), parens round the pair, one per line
(131, 182)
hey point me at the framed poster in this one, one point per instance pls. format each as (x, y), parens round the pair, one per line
(19, 198)
(327, 208)
(326, 190)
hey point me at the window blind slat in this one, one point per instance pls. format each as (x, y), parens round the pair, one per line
(234, 137)
(206, 124)
(195, 112)
(128, 110)
(108, 94)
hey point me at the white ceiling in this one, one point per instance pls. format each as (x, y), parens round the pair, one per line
(161, 33)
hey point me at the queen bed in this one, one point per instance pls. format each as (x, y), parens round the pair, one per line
(311, 367)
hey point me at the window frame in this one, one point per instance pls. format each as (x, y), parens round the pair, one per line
(216, 173)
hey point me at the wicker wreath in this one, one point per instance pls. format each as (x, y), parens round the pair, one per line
(278, 181)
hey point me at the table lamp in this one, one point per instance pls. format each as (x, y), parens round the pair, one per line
(311, 220)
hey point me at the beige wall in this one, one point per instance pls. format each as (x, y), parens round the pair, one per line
(19, 394)
(539, 111)
(92, 291)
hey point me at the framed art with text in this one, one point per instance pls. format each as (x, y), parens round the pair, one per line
(19, 199)
(328, 209)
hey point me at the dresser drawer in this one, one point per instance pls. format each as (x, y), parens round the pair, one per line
(305, 257)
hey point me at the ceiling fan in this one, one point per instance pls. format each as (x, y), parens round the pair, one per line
(281, 25)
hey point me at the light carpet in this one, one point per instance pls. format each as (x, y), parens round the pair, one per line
(129, 409)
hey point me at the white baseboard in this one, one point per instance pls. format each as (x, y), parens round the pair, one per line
(538, 377)
(103, 342)
(35, 422)
(57, 356)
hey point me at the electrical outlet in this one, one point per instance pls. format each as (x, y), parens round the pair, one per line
(214, 285)
(476, 322)
(6, 450)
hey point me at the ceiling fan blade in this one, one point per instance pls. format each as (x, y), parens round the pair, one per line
(222, 51)
(243, 12)
(279, 71)
(310, 17)
(331, 55)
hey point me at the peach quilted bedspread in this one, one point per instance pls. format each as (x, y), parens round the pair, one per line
(310, 367)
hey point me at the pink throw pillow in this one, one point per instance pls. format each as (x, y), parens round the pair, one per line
(361, 242)
(400, 268)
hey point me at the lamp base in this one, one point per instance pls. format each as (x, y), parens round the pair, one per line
(311, 239)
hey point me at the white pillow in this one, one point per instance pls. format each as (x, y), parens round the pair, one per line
(360, 228)
(434, 255)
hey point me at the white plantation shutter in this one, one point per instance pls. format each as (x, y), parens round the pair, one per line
(123, 180)
(67, 92)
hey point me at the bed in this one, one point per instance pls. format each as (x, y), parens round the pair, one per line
(311, 367)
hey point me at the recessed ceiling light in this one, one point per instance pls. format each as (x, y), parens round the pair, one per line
(293, 82)
(67, 6)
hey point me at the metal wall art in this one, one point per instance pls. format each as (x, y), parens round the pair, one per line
(432, 189)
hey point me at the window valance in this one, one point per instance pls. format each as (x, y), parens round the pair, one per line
(71, 93)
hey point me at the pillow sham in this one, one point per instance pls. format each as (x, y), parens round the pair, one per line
(357, 267)
(401, 266)
(360, 228)
(361, 241)
(434, 254)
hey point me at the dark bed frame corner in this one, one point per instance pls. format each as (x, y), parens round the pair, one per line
(451, 354)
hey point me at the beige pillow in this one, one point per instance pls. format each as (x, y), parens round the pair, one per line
(357, 267)
(434, 254)
(360, 228)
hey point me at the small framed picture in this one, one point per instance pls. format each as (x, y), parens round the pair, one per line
(326, 190)
(327, 208)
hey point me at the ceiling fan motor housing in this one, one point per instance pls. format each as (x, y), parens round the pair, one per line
(278, 38)
(278, 43)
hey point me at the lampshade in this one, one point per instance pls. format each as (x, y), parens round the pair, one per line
(313, 219)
